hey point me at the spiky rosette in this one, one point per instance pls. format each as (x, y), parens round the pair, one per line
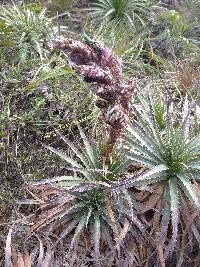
(170, 156)
(84, 202)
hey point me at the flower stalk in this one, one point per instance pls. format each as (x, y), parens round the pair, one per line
(103, 70)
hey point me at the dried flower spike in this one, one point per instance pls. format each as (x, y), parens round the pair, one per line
(103, 70)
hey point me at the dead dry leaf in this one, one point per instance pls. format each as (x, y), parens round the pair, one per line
(8, 261)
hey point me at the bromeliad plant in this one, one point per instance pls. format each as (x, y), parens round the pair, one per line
(130, 11)
(171, 157)
(82, 201)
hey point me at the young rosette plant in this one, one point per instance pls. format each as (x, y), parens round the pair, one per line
(83, 201)
(129, 11)
(171, 157)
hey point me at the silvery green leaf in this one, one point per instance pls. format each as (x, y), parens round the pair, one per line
(143, 160)
(76, 151)
(79, 229)
(70, 227)
(189, 189)
(72, 162)
(143, 185)
(96, 235)
(143, 150)
(165, 214)
(154, 175)
(193, 165)
(64, 156)
(90, 149)
(174, 208)
(157, 171)
(194, 145)
(147, 142)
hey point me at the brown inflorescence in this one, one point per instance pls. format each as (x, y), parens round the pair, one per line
(103, 69)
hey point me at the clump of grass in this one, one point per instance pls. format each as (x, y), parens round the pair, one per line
(28, 30)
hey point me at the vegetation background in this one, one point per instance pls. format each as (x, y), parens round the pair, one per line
(142, 207)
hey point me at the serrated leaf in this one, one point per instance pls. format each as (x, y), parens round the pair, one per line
(193, 164)
(76, 151)
(154, 175)
(64, 156)
(67, 181)
(79, 228)
(179, 142)
(144, 139)
(72, 162)
(75, 208)
(143, 185)
(119, 166)
(62, 214)
(141, 159)
(154, 172)
(96, 235)
(152, 123)
(89, 216)
(193, 174)
(194, 145)
(124, 197)
(189, 189)
(143, 150)
(165, 215)
(91, 150)
(67, 231)
(174, 208)
(107, 235)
